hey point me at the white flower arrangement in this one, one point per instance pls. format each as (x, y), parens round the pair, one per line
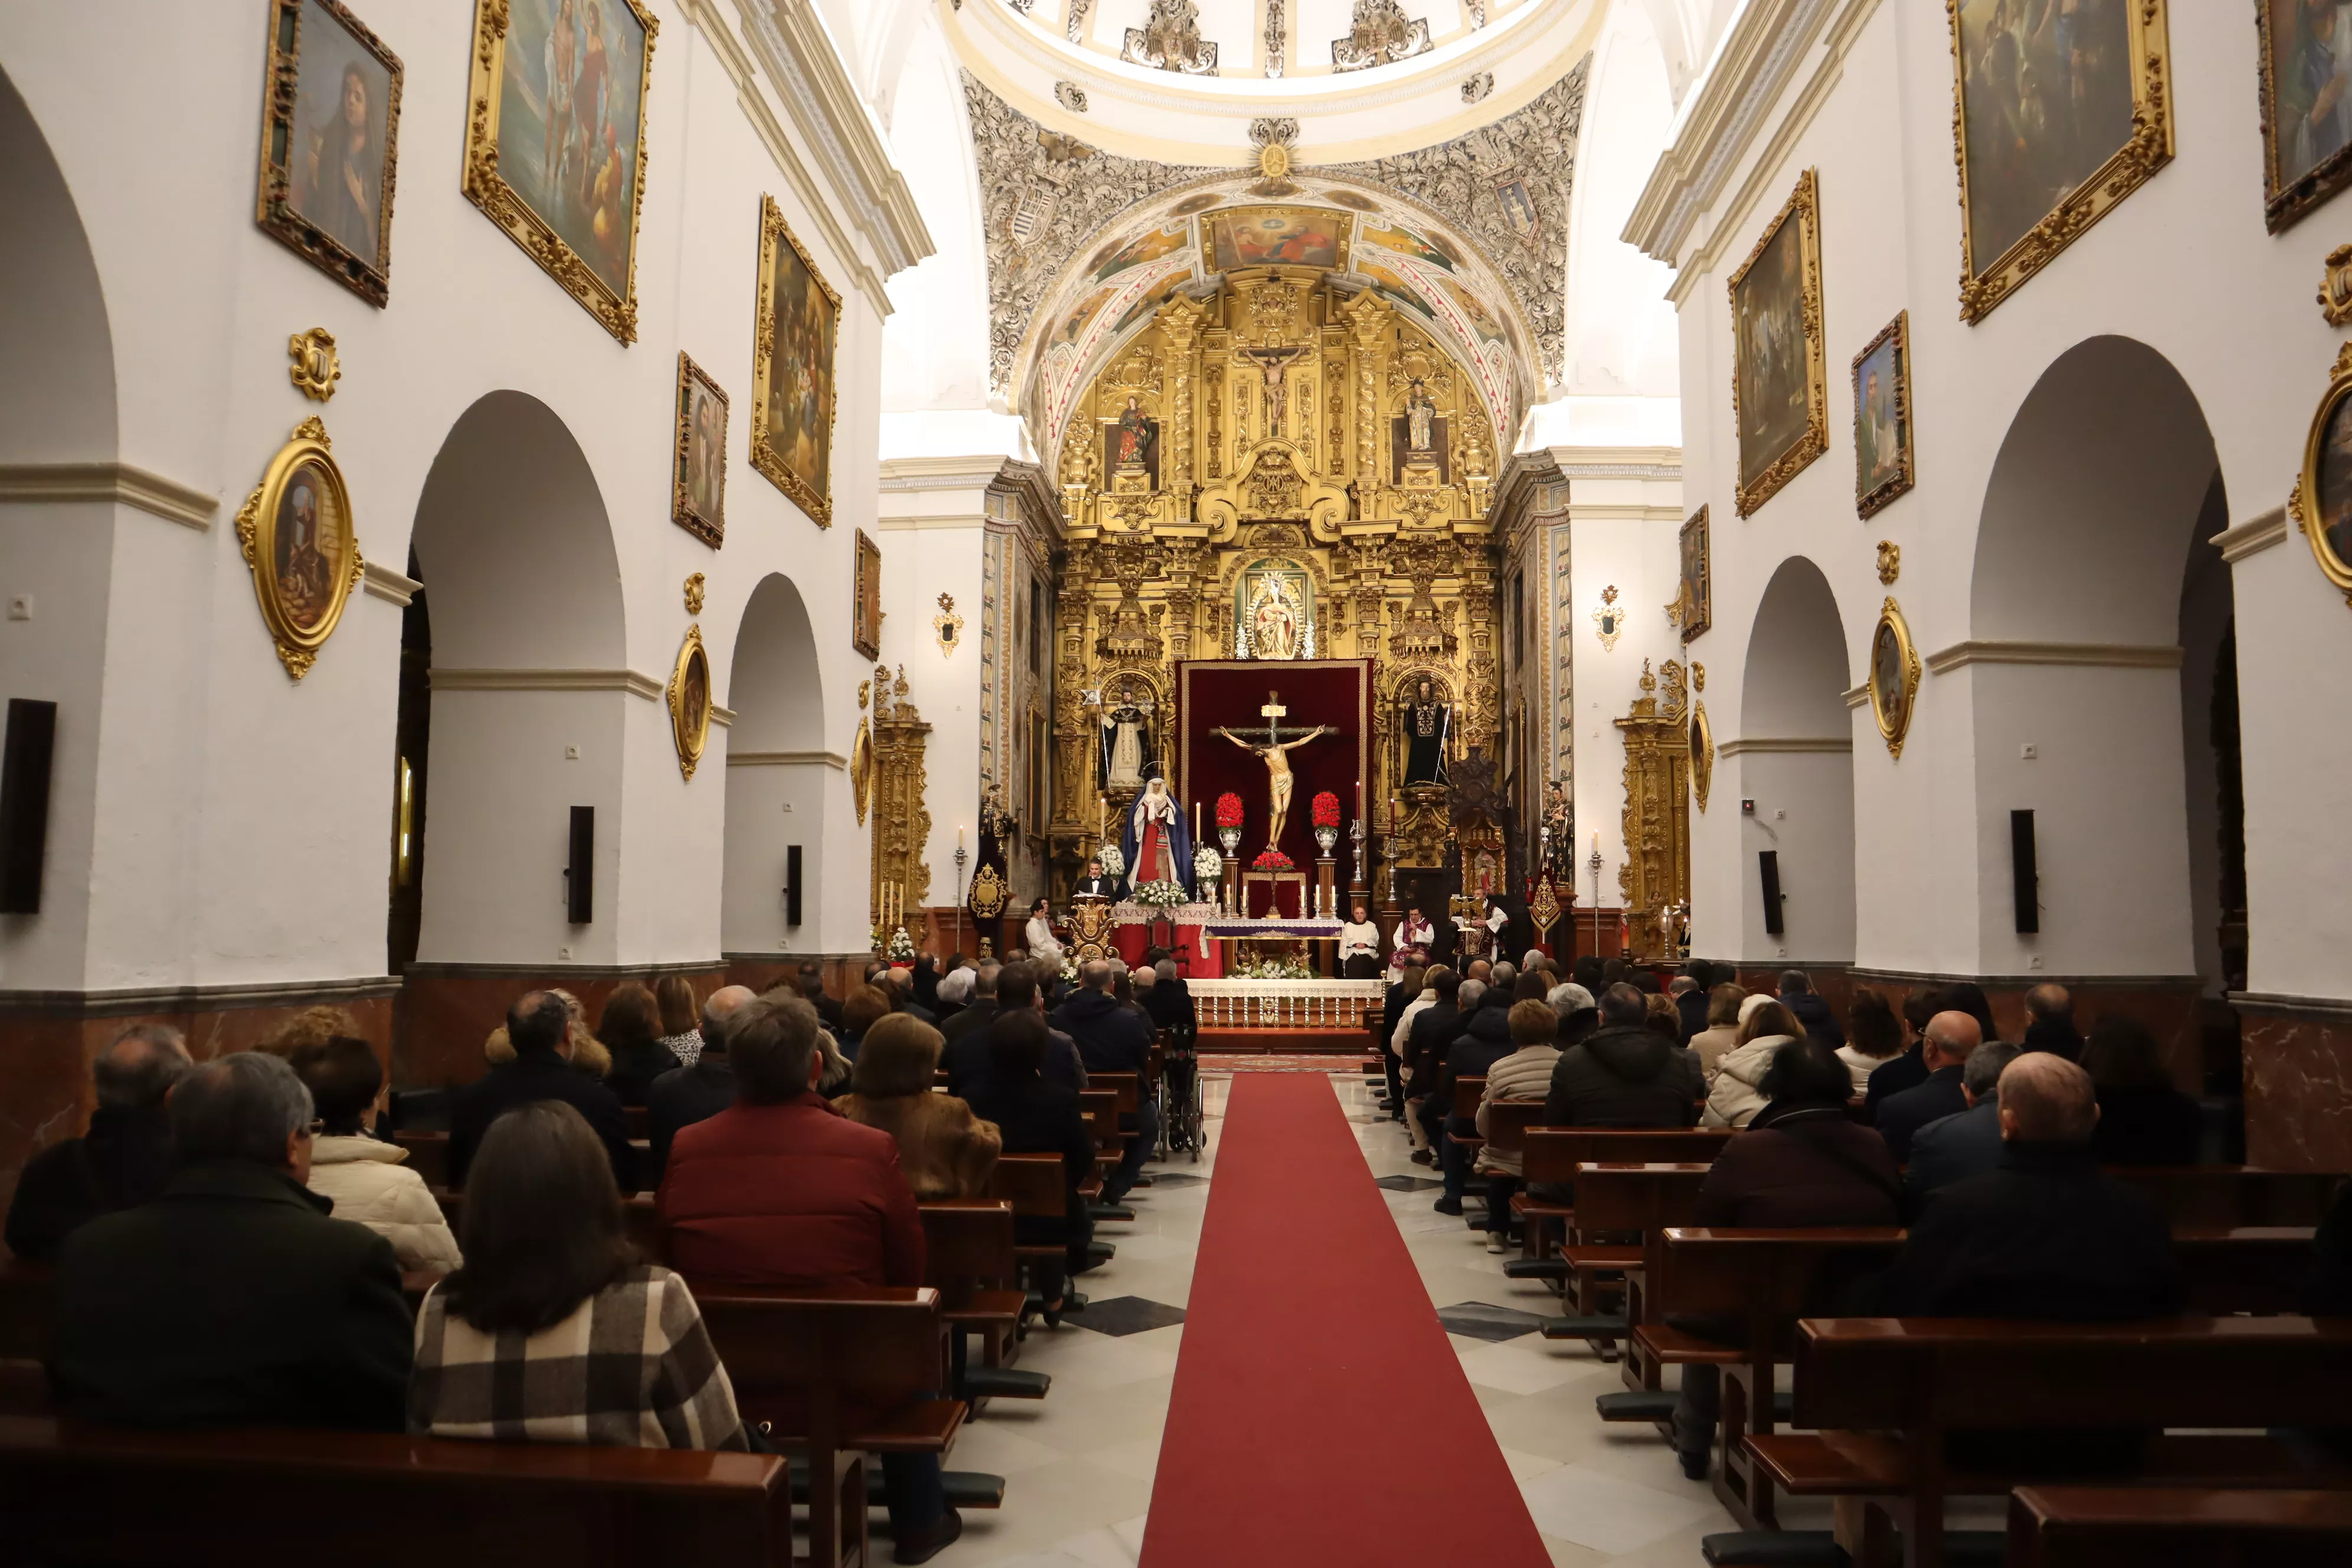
(1162, 895)
(1207, 864)
(902, 945)
(1070, 971)
(1275, 969)
(1114, 862)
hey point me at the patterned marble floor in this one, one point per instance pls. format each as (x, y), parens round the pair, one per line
(1078, 1465)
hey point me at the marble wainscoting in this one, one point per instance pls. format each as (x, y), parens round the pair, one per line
(448, 1010)
(2298, 1055)
(47, 1040)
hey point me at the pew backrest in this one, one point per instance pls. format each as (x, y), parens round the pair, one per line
(1617, 1198)
(1552, 1154)
(1507, 1122)
(967, 1248)
(1032, 1183)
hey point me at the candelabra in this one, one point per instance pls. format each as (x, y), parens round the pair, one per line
(960, 890)
(1356, 837)
(1593, 865)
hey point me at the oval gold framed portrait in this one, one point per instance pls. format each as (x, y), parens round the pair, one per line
(1894, 677)
(296, 531)
(2322, 502)
(1702, 754)
(689, 702)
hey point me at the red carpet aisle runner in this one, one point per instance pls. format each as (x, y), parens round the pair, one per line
(1319, 1415)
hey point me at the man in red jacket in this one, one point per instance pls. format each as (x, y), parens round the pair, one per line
(778, 1189)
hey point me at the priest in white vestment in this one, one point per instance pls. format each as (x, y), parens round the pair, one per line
(1359, 947)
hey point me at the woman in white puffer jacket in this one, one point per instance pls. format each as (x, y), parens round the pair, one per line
(365, 1177)
(1765, 1025)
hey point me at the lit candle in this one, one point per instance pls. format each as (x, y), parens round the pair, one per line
(959, 835)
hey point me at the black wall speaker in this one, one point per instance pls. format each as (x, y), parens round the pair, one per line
(1768, 861)
(2027, 879)
(791, 884)
(25, 763)
(580, 876)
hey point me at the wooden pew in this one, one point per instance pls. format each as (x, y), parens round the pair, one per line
(640, 1220)
(1618, 1209)
(1879, 1395)
(1757, 1280)
(1032, 1185)
(1552, 1155)
(232, 1499)
(428, 1155)
(1468, 1090)
(967, 1259)
(2227, 1197)
(834, 1371)
(638, 1121)
(2126, 1527)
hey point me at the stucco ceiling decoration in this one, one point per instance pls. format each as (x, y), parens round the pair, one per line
(1170, 40)
(1502, 191)
(1379, 33)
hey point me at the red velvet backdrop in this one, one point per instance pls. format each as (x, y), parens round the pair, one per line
(1229, 692)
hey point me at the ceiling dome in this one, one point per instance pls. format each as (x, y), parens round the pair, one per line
(1179, 80)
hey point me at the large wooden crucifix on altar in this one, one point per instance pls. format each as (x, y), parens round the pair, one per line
(1276, 753)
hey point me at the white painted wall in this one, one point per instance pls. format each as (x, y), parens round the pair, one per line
(231, 826)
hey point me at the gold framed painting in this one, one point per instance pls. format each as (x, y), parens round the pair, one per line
(1882, 464)
(1695, 605)
(1894, 677)
(698, 467)
(1702, 755)
(866, 599)
(2321, 503)
(295, 533)
(555, 140)
(1241, 237)
(2054, 124)
(2306, 113)
(795, 332)
(688, 695)
(329, 136)
(1780, 382)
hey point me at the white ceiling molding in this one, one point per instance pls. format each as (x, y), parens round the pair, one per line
(1785, 746)
(787, 760)
(381, 582)
(23, 484)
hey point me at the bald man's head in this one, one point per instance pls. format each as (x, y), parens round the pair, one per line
(721, 1005)
(1951, 1037)
(2045, 1099)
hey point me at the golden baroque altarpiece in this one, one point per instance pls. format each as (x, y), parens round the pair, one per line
(1283, 433)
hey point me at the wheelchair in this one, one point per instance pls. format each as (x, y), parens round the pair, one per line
(1183, 1127)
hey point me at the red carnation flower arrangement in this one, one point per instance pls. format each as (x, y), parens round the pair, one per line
(1273, 861)
(1326, 810)
(1229, 810)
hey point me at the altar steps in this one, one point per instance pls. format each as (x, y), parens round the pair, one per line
(1295, 1041)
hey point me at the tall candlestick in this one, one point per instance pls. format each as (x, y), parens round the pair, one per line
(959, 835)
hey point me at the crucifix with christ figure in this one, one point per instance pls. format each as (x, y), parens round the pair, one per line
(1276, 753)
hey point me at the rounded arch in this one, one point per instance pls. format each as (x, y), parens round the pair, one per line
(515, 547)
(52, 308)
(778, 776)
(2089, 513)
(516, 700)
(1795, 756)
(2103, 491)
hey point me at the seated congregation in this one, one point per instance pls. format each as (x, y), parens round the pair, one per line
(735, 1227)
(1716, 1182)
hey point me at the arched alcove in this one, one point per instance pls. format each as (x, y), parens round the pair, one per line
(2089, 558)
(777, 776)
(57, 406)
(529, 691)
(1795, 756)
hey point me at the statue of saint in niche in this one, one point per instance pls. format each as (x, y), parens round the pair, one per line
(1125, 741)
(1427, 722)
(1274, 620)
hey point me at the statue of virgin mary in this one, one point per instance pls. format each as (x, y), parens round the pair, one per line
(1156, 837)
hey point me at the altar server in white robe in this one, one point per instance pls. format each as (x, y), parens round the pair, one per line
(1359, 947)
(1043, 946)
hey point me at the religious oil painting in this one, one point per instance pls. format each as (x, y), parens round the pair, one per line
(792, 388)
(331, 127)
(1149, 245)
(688, 695)
(295, 533)
(866, 599)
(1894, 677)
(1276, 236)
(1881, 417)
(1697, 601)
(2322, 502)
(699, 482)
(555, 148)
(1779, 384)
(2306, 86)
(2064, 111)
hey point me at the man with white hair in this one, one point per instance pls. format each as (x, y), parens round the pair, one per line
(2048, 1234)
(233, 1300)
